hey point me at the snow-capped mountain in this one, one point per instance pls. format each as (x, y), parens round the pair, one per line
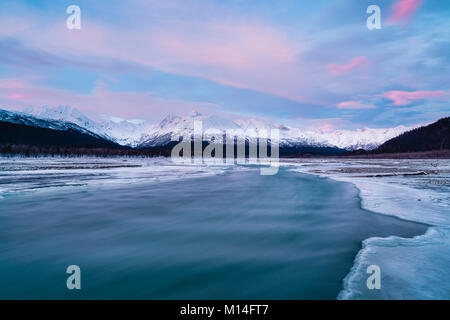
(365, 138)
(29, 134)
(177, 126)
(63, 113)
(123, 132)
(29, 120)
(161, 133)
(139, 133)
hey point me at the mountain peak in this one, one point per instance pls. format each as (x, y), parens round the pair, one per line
(55, 112)
(167, 120)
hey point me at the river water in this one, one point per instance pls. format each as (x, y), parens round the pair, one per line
(159, 231)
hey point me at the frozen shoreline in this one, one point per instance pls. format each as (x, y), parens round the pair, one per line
(414, 268)
(19, 175)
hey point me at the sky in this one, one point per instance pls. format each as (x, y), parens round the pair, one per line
(312, 64)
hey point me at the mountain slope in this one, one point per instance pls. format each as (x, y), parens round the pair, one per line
(18, 128)
(365, 138)
(161, 133)
(433, 137)
(123, 132)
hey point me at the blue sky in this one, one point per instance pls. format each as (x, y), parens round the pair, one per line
(311, 64)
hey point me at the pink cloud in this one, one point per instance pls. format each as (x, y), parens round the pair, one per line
(339, 69)
(321, 125)
(12, 83)
(249, 46)
(245, 54)
(326, 127)
(400, 98)
(237, 51)
(403, 10)
(240, 51)
(15, 94)
(354, 105)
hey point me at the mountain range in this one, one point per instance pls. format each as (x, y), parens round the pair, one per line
(143, 134)
(22, 129)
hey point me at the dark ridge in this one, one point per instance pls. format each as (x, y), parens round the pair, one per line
(37, 151)
(433, 137)
(430, 141)
(20, 134)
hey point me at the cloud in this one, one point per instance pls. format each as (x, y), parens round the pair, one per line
(401, 98)
(236, 46)
(323, 124)
(354, 63)
(10, 26)
(16, 93)
(260, 60)
(11, 83)
(354, 105)
(403, 10)
(247, 54)
(13, 53)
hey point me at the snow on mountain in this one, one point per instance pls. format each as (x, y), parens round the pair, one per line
(161, 133)
(63, 113)
(124, 132)
(289, 136)
(29, 120)
(365, 138)
(142, 133)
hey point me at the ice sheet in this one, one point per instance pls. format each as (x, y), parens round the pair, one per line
(415, 190)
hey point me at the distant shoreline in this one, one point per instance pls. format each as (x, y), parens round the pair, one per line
(435, 154)
(33, 151)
